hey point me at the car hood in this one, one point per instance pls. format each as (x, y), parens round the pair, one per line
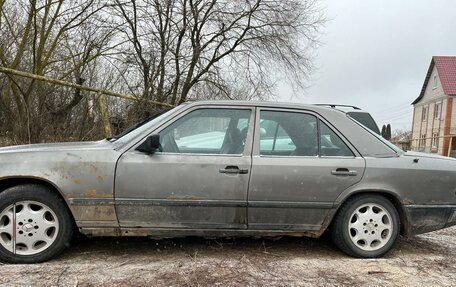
(70, 146)
(427, 155)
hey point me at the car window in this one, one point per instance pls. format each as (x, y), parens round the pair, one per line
(366, 120)
(274, 139)
(288, 133)
(331, 144)
(207, 131)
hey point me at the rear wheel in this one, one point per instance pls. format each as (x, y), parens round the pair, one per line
(366, 226)
(35, 224)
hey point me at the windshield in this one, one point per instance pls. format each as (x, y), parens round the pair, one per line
(141, 127)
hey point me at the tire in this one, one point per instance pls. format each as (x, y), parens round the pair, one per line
(39, 220)
(366, 226)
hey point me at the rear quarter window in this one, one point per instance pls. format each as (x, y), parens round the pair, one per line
(366, 120)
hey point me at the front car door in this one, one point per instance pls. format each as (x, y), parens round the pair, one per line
(300, 165)
(198, 179)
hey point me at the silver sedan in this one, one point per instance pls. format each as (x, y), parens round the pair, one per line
(225, 169)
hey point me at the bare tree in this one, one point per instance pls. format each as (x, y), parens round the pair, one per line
(54, 38)
(190, 49)
(157, 50)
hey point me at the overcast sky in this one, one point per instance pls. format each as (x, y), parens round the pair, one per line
(375, 54)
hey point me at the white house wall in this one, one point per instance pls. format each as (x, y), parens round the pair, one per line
(431, 97)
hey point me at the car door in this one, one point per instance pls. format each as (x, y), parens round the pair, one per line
(198, 179)
(300, 165)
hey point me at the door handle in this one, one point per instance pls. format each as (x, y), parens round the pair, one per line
(344, 172)
(231, 169)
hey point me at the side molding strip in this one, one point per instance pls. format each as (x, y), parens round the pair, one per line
(201, 203)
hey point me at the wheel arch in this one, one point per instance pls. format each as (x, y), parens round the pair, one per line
(391, 196)
(8, 182)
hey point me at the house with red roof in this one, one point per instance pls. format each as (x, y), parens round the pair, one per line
(434, 114)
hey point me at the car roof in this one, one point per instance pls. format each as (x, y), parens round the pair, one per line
(316, 107)
(287, 105)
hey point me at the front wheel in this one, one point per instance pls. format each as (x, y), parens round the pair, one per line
(366, 226)
(35, 224)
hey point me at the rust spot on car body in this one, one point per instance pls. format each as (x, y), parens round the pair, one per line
(77, 181)
(94, 193)
(110, 231)
(100, 179)
(407, 201)
(94, 212)
(93, 167)
(90, 192)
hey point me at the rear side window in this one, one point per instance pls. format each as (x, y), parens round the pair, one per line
(298, 134)
(287, 133)
(331, 144)
(366, 120)
(274, 139)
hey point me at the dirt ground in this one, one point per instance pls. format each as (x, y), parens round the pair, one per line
(424, 260)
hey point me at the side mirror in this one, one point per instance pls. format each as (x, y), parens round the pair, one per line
(150, 145)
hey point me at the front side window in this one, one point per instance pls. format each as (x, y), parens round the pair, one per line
(207, 131)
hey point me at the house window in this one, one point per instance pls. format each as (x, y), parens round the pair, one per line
(423, 141)
(435, 140)
(435, 82)
(437, 111)
(424, 114)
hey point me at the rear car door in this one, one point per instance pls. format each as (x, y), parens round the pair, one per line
(198, 180)
(300, 165)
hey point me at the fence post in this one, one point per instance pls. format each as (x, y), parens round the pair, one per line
(104, 114)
